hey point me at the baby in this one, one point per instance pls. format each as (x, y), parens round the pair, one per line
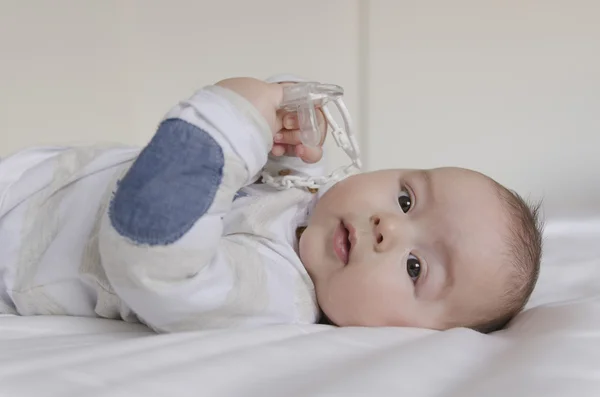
(183, 235)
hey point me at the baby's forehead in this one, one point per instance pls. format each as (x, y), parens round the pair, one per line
(461, 185)
(459, 174)
(470, 215)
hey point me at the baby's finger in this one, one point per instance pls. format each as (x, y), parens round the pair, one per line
(278, 150)
(284, 150)
(290, 121)
(291, 137)
(309, 154)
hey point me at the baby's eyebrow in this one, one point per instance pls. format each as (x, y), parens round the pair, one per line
(443, 268)
(449, 270)
(424, 177)
(445, 252)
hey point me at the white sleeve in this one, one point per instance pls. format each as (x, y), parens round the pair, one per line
(161, 240)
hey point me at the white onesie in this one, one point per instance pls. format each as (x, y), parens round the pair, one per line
(180, 235)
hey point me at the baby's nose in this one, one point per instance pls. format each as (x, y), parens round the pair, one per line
(385, 231)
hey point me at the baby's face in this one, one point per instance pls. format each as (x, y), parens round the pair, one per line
(419, 248)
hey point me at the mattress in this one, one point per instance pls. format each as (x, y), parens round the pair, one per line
(551, 349)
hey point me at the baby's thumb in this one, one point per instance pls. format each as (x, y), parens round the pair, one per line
(309, 154)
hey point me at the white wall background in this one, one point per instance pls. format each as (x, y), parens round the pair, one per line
(83, 70)
(508, 87)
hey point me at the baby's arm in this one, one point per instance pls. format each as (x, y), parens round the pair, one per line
(161, 240)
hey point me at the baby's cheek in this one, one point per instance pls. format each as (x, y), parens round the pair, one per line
(362, 296)
(390, 297)
(341, 297)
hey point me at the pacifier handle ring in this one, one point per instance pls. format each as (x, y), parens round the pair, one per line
(351, 147)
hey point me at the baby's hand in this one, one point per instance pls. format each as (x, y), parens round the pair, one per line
(266, 98)
(288, 142)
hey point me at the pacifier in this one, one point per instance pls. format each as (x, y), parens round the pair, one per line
(305, 98)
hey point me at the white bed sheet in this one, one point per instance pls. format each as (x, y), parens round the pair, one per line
(552, 349)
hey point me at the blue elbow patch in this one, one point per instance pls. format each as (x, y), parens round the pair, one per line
(170, 186)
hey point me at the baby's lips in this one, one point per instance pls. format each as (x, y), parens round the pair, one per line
(340, 238)
(351, 235)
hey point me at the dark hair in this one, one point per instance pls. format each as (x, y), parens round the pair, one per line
(525, 253)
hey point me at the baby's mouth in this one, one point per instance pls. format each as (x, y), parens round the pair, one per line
(341, 243)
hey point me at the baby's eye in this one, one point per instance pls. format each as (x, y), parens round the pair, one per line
(405, 201)
(413, 267)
